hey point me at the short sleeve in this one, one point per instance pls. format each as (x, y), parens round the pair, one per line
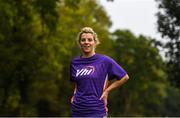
(115, 70)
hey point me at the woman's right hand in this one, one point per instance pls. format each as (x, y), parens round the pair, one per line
(72, 99)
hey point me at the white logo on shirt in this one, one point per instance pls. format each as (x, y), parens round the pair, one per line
(87, 70)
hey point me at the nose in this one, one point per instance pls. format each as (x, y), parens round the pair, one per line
(86, 41)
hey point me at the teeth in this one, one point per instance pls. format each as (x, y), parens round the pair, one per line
(86, 46)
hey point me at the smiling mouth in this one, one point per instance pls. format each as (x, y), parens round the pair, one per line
(85, 46)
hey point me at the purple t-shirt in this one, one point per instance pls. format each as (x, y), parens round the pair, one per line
(90, 75)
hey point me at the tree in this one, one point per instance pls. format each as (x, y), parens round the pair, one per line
(29, 70)
(143, 94)
(169, 27)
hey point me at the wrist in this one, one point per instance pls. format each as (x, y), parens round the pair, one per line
(107, 90)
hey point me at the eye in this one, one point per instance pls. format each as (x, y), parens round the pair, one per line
(82, 39)
(90, 39)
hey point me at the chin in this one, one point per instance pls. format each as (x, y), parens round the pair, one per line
(87, 51)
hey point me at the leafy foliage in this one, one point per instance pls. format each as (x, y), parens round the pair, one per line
(146, 88)
(169, 27)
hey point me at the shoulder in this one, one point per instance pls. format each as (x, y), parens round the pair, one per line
(103, 57)
(74, 59)
(107, 58)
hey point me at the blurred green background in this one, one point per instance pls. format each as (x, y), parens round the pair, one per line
(38, 40)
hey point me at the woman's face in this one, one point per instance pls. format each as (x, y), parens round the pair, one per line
(87, 43)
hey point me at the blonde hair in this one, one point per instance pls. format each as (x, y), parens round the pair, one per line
(88, 30)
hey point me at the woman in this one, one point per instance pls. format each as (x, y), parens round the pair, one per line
(90, 72)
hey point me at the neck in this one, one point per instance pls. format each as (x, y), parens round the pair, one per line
(87, 55)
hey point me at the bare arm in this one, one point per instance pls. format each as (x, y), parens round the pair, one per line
(114, 85)
(75, 88)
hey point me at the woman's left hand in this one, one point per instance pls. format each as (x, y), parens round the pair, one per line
(105, 97)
